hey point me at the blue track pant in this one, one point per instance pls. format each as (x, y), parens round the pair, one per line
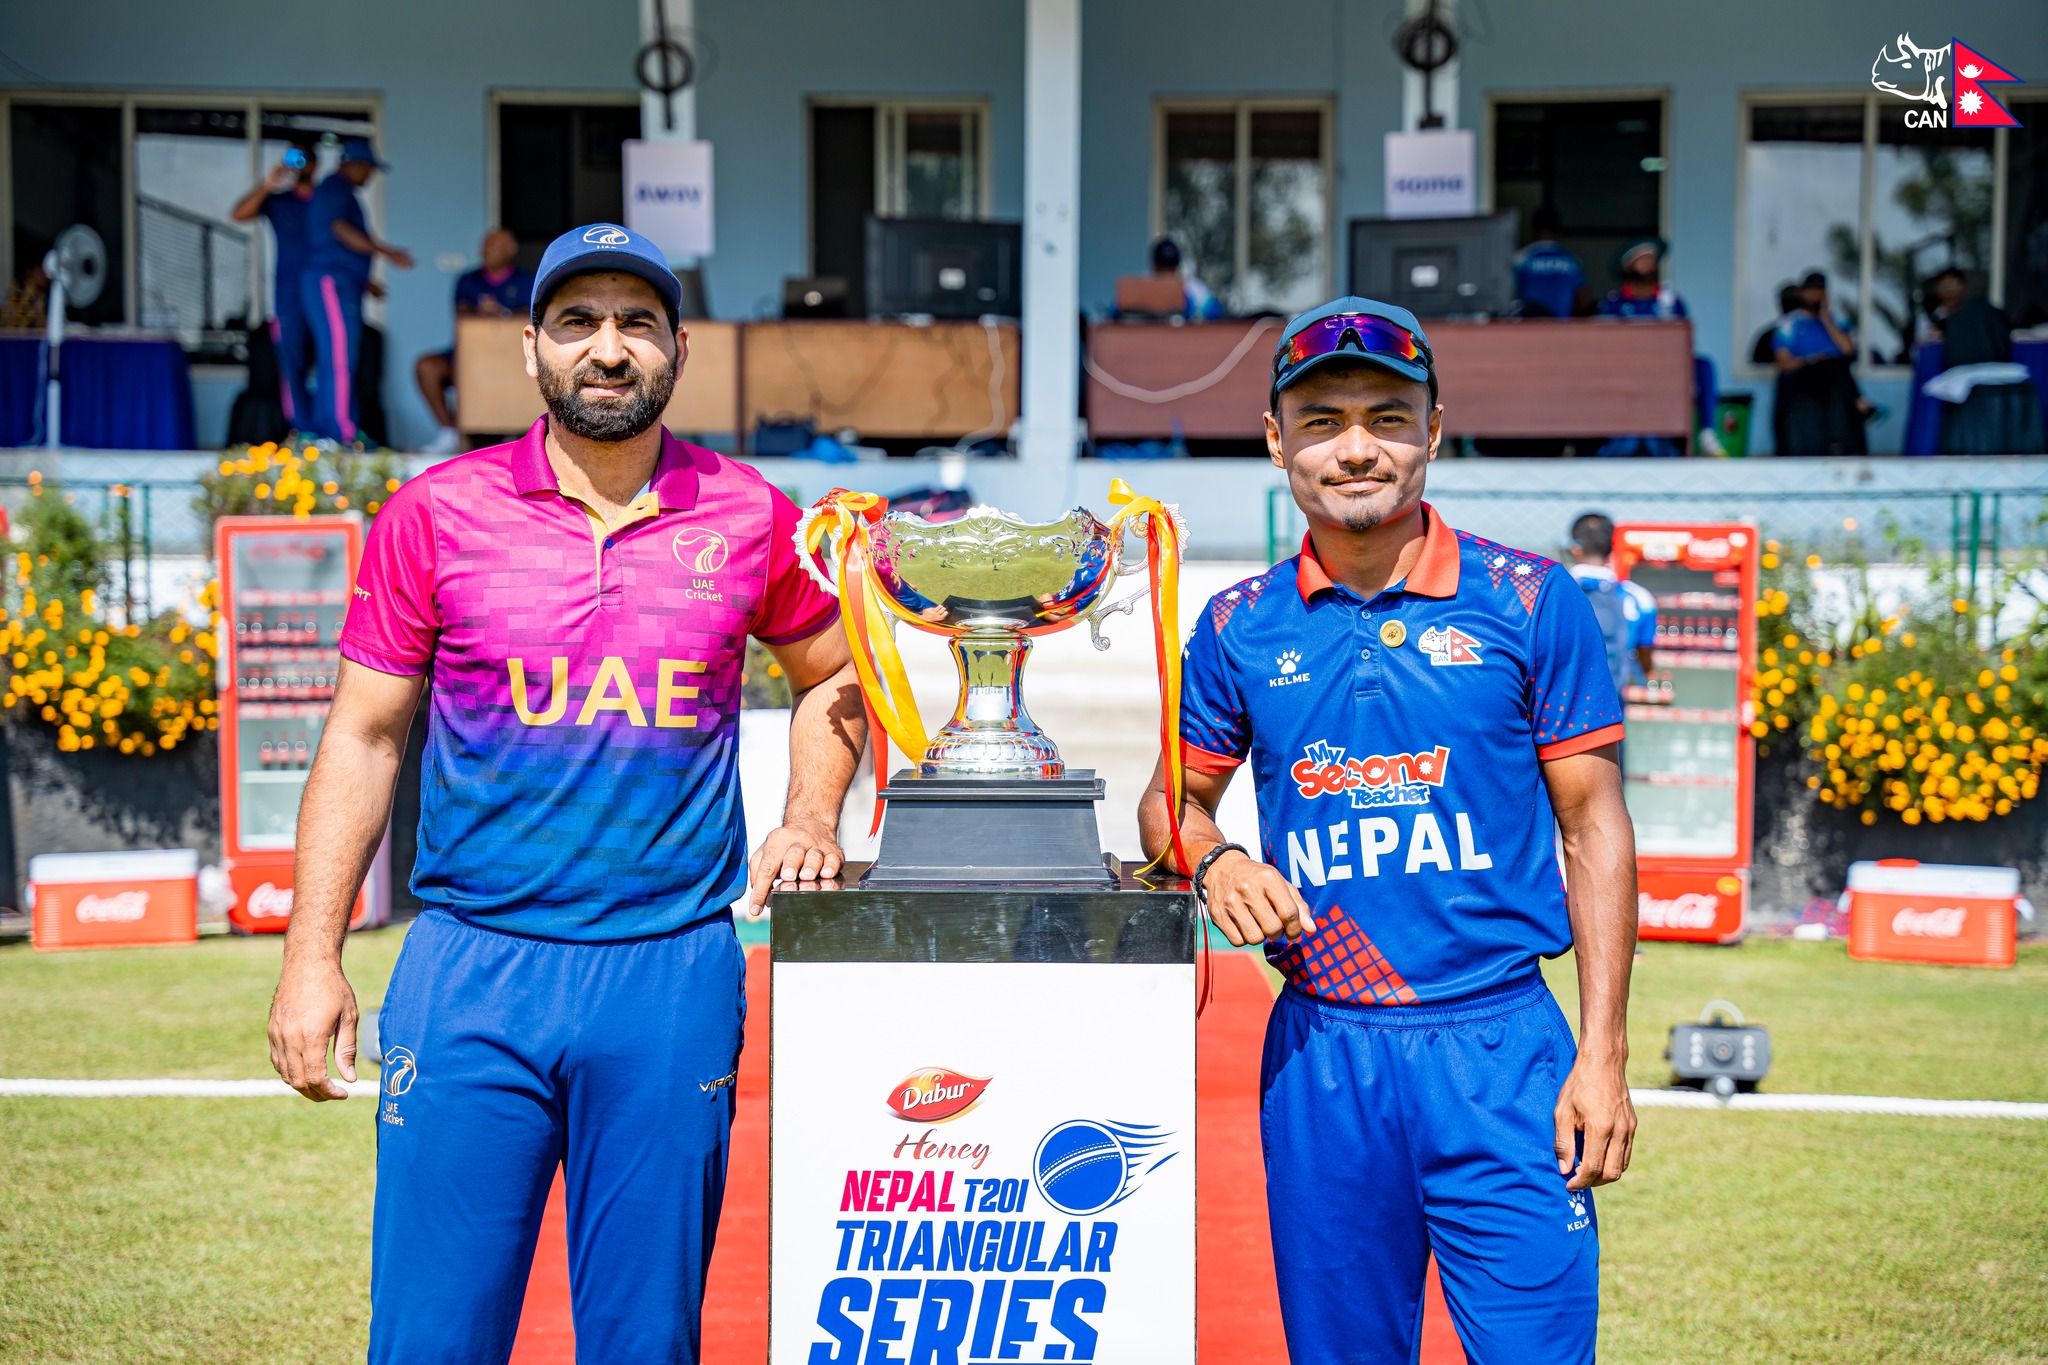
(291, 337)
(334, 310)
(1394, 1131)
(505, 1057)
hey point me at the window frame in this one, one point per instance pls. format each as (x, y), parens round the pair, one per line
(889, 151)
(1874, 103)
(1244, 106)
(252, 103)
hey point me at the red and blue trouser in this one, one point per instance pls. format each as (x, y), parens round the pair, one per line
(334, 309)
(1394, 1132)
(506, 1057)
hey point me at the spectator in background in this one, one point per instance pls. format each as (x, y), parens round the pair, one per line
(499, 288)
(1549, 280)
(283, 200)
(339, 253)
(1201, 305)
(1766, 341)
(1643, 294)
(1819, 409)
(1627, 612)
(1990, 405)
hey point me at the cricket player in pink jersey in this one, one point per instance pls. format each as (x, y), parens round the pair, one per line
(580, 600)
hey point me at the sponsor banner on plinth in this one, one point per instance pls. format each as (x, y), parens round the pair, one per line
(982, 1162)
(1690, 905)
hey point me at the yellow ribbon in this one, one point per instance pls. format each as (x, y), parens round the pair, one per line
(843, 517)
(1162, 554)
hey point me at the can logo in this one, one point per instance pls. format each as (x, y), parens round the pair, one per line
(935, 1094)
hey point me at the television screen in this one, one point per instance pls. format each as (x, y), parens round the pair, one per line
(1436, 267)
(944, 267)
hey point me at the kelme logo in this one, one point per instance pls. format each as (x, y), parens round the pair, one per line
(934, 1094)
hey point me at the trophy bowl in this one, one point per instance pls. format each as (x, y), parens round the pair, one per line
(989, 581)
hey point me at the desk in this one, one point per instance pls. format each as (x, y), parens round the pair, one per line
(886, 379)
(1923, 414)
(495, 397)
(120, 392)
(1528, 377)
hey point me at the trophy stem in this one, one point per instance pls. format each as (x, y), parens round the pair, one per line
(991, 735)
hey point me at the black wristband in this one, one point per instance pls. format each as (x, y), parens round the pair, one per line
(1202, 867)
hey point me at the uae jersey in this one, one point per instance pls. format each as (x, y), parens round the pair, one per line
(1396, 744)
(580, 778)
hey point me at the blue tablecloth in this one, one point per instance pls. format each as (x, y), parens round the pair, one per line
(1923, 414)
(119, 393)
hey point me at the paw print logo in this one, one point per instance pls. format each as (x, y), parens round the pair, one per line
(1288, 662)
(1578, 1200)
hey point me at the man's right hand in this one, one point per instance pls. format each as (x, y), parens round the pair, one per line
(314, 1006)
(1251, 902)
(280, 176)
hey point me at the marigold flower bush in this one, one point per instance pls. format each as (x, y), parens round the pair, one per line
(1918, 713)
(136, 688)
(296, 481)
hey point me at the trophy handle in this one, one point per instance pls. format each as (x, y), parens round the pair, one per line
(1096, 617)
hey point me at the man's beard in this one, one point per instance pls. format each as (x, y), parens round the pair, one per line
(606, 419)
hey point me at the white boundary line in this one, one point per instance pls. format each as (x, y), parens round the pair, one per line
(1842, 1104)
(1646, 1099)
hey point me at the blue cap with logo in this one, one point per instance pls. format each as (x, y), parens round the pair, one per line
(606, 246)
(1357, 330)
(359, 149)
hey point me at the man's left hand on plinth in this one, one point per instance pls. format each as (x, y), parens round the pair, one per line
(1596, 1123)
(800, 851)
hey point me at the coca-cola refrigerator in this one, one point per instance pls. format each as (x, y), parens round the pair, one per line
(1689, 763)
(284, 592)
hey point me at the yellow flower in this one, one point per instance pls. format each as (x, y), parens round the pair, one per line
(1813, 561)
(1770, 561)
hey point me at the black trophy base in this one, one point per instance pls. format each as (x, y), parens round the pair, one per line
(973, 831)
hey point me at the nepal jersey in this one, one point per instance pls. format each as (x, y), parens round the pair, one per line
(580, 779)
(1395, 746)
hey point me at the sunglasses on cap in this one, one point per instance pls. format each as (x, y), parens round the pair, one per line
(1360, 332)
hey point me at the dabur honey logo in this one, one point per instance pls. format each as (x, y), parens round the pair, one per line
(936, 1094)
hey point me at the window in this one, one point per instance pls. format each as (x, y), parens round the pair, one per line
(1842, 186)
(1243, 188)
(1597, 164)
(891, 159)
(2026, 214)
(156, 177)
(559, 163)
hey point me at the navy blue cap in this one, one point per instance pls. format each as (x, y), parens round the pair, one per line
(606, 246)
(359, 149)
(1422, 371)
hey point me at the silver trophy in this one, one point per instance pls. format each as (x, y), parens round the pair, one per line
(990, 582)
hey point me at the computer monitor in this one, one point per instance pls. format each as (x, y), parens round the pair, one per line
(1436, 267)
(944, 267)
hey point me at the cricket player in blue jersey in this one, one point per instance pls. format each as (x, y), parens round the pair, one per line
(1424, 713)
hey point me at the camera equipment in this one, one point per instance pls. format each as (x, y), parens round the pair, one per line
(1716, 1055)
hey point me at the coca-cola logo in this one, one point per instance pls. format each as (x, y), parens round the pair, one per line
(269, 901)
(120, 908)
(934, 1094)
(1693, 910)
(1942, 922)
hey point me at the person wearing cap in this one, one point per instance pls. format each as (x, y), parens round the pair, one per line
(1424, 714)
(572, 994)
(1643, 294)
(339, 253)
(283, 199)
(1817, 408)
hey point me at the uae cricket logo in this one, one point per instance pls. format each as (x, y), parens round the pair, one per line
(1922, 77)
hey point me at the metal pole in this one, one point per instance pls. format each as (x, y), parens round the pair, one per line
(1976, 540)
(148, 559)
(127, 560)
(1997, 588)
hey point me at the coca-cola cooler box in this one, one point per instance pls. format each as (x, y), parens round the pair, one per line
(1901, 910)
(1691, 904)
(114, 900)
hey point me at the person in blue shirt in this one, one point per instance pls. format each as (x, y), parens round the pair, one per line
(339, 253)
(498, 288)
(1549, 280)
(282, 200)
(1626, 611)
(1643, 294)
(1818, 408)
(1201, 304)
(1427, 719)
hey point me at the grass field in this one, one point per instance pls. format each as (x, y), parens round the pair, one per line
(237, 1230)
